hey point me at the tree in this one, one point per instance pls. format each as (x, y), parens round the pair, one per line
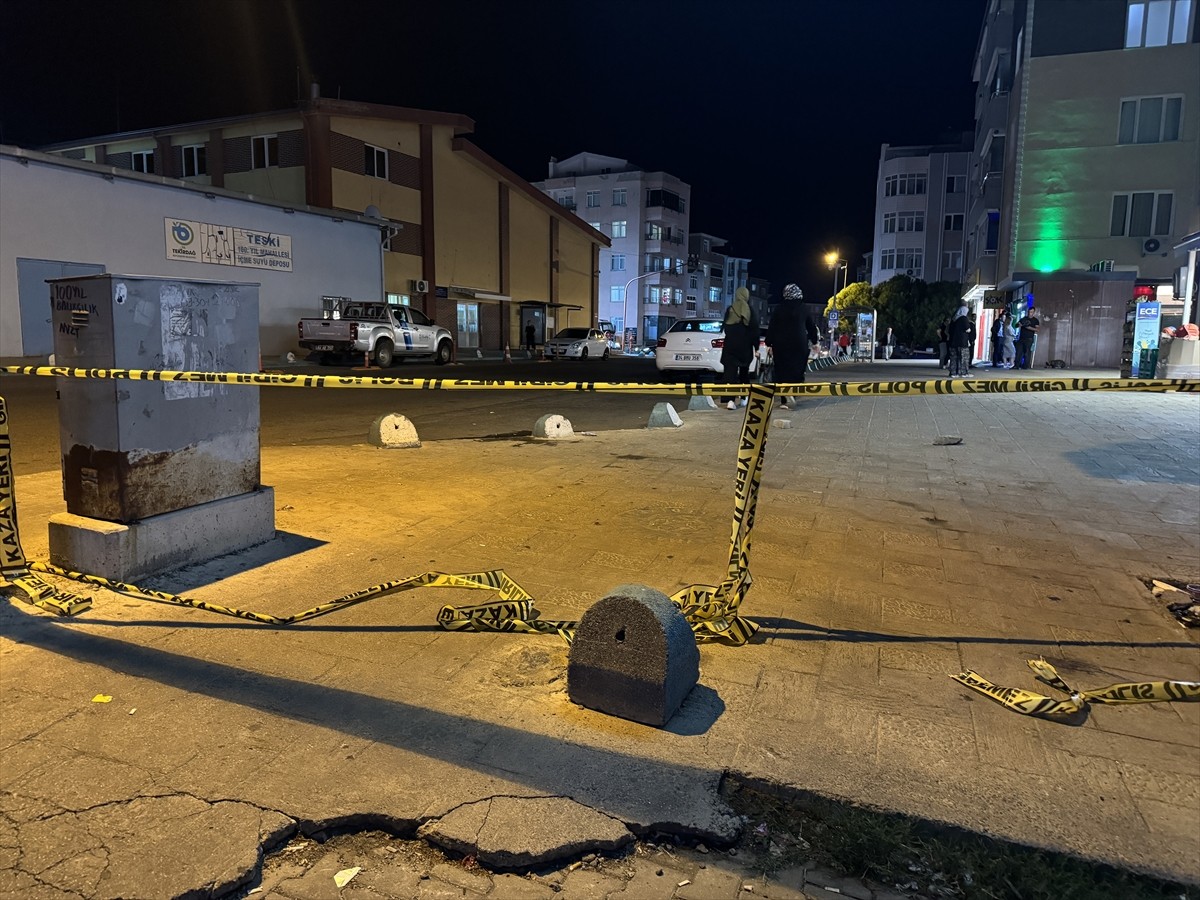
(857, 294)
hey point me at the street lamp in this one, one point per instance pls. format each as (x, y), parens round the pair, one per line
(625, 298)
(835, 264)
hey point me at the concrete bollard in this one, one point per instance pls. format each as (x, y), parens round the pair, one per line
(664, 416)
(393, 431)
(633, 656)
(552, 427)
(705, 402)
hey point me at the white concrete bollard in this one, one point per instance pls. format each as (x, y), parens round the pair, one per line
(701, 403)
(393, 431)
(551, 427)
(664, 416)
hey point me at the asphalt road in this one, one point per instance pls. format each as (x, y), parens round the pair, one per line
(297, 417)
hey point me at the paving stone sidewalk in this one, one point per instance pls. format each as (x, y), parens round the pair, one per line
(883, 562)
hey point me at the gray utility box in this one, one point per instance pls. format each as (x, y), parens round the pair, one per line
(135, 449)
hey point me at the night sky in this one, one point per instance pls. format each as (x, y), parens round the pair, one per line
(772, 110)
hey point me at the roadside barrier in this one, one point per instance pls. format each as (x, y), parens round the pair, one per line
(1031, 704)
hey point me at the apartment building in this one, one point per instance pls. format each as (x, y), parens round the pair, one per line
(713, 276)
(644, 215)
(920, 212)
(1084, 169)
(471, 243)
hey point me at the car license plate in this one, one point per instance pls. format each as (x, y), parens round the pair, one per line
(687, 357)
(326, 347)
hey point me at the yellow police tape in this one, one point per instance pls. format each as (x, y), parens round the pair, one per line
(14, 569)
(807, 389)
(711, 611)
(1031, 704)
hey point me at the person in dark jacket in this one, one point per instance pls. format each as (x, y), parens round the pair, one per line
(960, 344)
(741, 343)
(788, 337)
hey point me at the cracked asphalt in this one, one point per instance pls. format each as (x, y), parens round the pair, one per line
(883, 563)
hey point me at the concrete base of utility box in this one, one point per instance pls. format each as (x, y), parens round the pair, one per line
(158, 543)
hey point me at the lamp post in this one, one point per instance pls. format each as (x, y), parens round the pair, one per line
(625, 299)
(835, 264)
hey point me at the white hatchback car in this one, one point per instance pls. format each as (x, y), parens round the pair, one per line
(578, 343)
(693, 346)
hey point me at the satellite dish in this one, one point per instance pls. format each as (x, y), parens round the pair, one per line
(372, 212)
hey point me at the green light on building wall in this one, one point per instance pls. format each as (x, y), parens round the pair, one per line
(1047, 256)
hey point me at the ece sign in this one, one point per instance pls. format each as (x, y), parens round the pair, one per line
(224, 245)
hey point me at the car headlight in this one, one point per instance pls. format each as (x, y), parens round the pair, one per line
(576, 345)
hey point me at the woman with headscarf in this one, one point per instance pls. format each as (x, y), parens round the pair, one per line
(741, 342)
(788, 337)
(960, 344)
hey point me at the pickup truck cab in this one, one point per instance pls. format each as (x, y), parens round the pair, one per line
(381, 330)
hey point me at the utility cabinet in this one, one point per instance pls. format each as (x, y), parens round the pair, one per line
(132, 449)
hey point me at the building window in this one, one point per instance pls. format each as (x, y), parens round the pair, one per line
(887, 260)
(992, 240)
(910, 261)
(619, 197)
(593, 199)
(595, 225)
(953, 222)
(678, 294)
(264, 151)
(619, 229)
(195, 160)
(693, 282)
(910, 221)
(1142, 214)
(664, 198)
(618, 262)
(567, 201)
(714, 295)
(654, 231)
(655, 294)
(910, 183)
(691, 303)
(889, 223)
(143, 161)
(616, 294)
(956, 184)
(952, 259)
(1156, 23)
(375, 162)
(1149, 120)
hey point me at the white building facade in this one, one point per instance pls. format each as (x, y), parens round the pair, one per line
(643, 275)
(920, 212)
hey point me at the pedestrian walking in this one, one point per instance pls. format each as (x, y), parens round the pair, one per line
(971, 334)
(889, 344)
(959, 344)
(843, 346)
(1029, 330)
(788, 337)
(943, 336)
(741, 343)
(530, 338)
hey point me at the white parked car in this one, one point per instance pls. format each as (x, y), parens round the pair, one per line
(693, 346)
(578, 343)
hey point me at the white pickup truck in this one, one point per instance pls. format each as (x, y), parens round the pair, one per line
(383, 331)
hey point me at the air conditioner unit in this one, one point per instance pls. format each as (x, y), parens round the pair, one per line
(1151, 245)
(421, 286)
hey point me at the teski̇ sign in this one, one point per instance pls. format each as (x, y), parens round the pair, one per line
(224, 245)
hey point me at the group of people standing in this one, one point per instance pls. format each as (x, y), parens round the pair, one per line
(1012, 344)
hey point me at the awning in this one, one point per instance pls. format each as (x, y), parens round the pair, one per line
(549, 305)
(477, 294)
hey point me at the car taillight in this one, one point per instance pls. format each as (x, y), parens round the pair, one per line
(354, 331)
(662, 342)
(718, 343)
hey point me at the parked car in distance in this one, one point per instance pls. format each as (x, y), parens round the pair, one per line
(577, 343)
(693, 347)
(380, 331)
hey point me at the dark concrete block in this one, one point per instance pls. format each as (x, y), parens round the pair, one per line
(633, 656)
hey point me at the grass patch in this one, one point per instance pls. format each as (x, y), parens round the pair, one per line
(921, 858)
